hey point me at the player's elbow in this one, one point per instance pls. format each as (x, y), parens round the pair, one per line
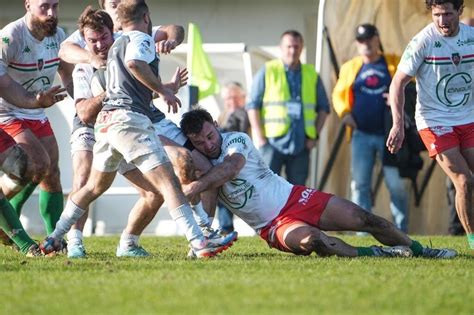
(133, 65)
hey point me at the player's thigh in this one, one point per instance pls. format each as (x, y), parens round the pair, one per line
(342, 215)
(454, 164)
(50, 144)
(469, 156)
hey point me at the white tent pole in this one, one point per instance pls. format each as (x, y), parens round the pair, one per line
(319, 50)
(320, 35)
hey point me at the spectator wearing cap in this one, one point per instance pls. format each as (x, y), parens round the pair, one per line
(360, 99)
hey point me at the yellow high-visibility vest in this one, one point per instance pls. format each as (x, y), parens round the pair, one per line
(274, 113)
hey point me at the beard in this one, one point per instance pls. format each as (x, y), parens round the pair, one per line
(46, 28)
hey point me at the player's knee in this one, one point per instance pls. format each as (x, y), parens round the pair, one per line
(79, 182)
(463, 183)
(315, 242)
(154, 201)
(92, 190)
(15, 165)
(42, 167)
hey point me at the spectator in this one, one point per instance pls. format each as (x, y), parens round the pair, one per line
(234, 118)
(359, 97)
(287, 110)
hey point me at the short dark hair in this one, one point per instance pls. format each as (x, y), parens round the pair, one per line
(292, 33)
(96, 20)
(457, 4)
(129, 11)
(192, 121)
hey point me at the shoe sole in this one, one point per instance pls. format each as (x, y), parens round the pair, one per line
(218, 250)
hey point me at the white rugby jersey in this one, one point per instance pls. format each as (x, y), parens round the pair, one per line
(82, 77)
(444, 70)
(30, 62)
(256, 194)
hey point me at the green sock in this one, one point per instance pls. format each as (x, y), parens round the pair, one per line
(20, 198)
(51, 207)
(365, 251)
(10, 223)
(470, 239)
(416, 248)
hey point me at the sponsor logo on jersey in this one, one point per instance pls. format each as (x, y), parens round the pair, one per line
(239, 139)
(437, 44)
(454, 89)
(241, 192)
(26, 50)
(6, 40)
(306, 196)
(467, 42)
(37, 84)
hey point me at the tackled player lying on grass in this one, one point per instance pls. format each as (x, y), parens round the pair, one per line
(290, 218)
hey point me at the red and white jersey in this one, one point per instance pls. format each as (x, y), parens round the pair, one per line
(256, 194)
(30, 62)
(444, 70)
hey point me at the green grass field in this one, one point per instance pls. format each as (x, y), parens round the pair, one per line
(247, 279)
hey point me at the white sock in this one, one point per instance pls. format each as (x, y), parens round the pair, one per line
(70, 215)
(200, 215)
(128, 240)
(74, 237)
(183, 216)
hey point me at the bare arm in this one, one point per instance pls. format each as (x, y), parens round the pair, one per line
(74, 54)
(168, 37)
(65, 73)
(16, 94)
(257, 128)
(397, 102)
(142, 72)
(217, 175)
(88, 109)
